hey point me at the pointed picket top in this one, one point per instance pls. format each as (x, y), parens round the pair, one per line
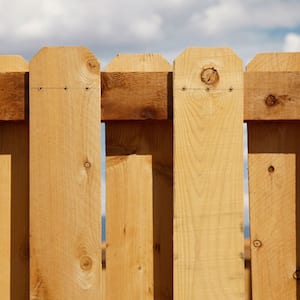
(138, 63)
(85, 65)
(13, 63)
(209, 68)
(275, 62)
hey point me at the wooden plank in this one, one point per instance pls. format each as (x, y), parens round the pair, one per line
(65, 210)
(272, 185)
(5, 226)
(125, 95)
(13, 92)
(153, 138)
(277, 137)
(272, 96)
(129, 212)
(208, 175)
(14, 142)
(135, 95)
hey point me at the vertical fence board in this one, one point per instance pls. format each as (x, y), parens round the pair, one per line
(129, 209)
(14, 141)
(5, 226)
(155, 139)
(208, 175)
(272, 190)
(275, 137)
(65, 226)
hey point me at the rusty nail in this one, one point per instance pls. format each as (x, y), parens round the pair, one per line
(257, 243)
(183, 88)
(271, 169)
(209, 76)
(65, 88)
(271, 100)
(230, 89)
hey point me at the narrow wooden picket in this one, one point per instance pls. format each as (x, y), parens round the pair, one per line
(129, 211)
(149, 138)
(277, 138)
(208, 175)
(272, 191)
(5, 226)
(65, 211)
(14, 141)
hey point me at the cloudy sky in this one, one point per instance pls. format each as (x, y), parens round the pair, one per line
(166, 26)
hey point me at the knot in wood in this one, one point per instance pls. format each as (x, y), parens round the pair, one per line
(86, 263)
(271, 100)
(210, 76)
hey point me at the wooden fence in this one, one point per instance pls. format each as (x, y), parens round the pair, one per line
(174, 176)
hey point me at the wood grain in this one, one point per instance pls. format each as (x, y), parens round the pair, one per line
(153, 138)
(208, 175)
(272, 96)
(277, 137)
(65, 210)
(272, 189)
(135, 95)
(14, 141)
(13, 92)
(129, 215)
(5, 226)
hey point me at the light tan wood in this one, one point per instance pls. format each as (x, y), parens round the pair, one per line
(273, 189)
(5, 226)
(150, 138)
(129, 215)
(14, 142)
(13, 63)
(208, 175)
(275, 62)
(65, 211)
(272, 96)
(277, 137)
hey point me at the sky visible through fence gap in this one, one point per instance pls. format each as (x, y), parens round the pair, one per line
(103, 182)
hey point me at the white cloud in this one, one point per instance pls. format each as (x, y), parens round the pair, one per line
(291, 42)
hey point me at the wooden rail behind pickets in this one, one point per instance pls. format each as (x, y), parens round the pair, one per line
(174, 147)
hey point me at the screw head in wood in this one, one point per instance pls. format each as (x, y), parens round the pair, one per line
(271, 169)
(296, 275)
(257, 243)
(210, 76)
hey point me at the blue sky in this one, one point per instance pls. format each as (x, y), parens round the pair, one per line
(165, 26)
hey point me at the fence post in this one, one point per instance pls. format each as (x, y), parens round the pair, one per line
(5, 226)
(273, 184)
(208, 175)
(14, 141)
(149, 138)
(65, 211)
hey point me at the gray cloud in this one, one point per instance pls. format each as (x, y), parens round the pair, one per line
(165, 26)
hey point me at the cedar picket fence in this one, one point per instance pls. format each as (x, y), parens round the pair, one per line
(174, 176)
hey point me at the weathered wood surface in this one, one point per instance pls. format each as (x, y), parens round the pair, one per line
(208, 175)
(5, 226)
(65, 210)
(153, 138)
(129, 228)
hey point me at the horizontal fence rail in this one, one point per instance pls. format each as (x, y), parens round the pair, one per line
(174, 176)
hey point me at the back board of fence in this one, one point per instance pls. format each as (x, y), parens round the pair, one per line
(174, 176)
